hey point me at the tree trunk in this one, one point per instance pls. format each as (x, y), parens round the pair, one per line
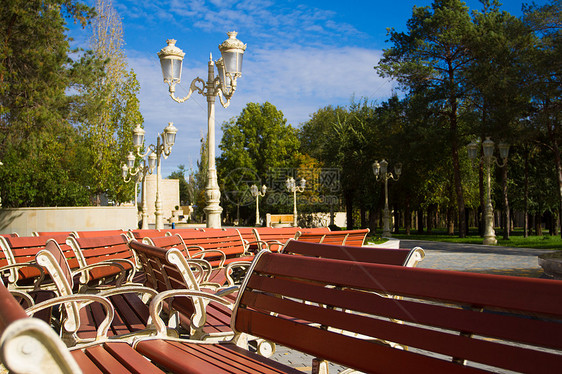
(420, 221)
(538, 224)
(526, 197)
(396, 221)
(363, 217)
(408, 216)
(430, 212)
(451, 221)
(348, 197)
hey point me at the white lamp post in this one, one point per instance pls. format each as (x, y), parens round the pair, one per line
(257, 194)
(223, 85)
(489, 158)
(381, 172)
(164, 143)
(292, 187)
(129, 170)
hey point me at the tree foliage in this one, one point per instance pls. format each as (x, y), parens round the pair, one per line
(254, 145)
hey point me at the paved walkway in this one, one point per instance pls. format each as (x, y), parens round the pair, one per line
(448, 256)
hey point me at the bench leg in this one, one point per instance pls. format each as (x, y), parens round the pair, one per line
(319, 366)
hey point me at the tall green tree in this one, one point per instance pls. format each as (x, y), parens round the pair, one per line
(38, 145)
(432, 57)
(112, 110)
(253, 145)
(546, 22)
(498, 79)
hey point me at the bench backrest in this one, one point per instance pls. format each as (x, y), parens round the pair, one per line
(388, 256)
(51, 234)
(227, 241)
(102, 248)
(140, 234)
(344, 237)
(167, 269)
(337, 310)
(97, 233)
(23, 249)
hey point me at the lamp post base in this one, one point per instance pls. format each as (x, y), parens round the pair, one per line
(386, 223)
(213, 216)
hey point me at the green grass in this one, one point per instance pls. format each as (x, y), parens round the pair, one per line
(516, 239)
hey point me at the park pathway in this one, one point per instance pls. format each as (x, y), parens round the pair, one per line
(479, 258)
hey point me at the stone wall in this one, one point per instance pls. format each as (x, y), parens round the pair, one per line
(24, 221)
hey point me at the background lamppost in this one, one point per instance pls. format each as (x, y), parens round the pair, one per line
(164, 143)
(129, 170)
(489, 158)
(229, 68)
(292, 187)
(257, 194)
(381, 172)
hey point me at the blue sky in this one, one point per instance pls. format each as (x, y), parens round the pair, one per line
(301, 55)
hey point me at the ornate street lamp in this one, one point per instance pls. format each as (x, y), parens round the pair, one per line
(223, 85)
(489, 158)
(164, 143)
(257, 194)
(292, 187)
(381, 173)
(140, 171)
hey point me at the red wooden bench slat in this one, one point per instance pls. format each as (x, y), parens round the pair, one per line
(11, 309)
(207, 358)
(105, 248)
(98, 233)
(134, 361)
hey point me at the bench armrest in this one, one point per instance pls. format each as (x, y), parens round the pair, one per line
(260, 244)
(156, 305)
(85, 278)
(416, 255)
(13, 277)
(243, 266)
(209, 251)
(72, 304)
(24, 295)
(274, 243)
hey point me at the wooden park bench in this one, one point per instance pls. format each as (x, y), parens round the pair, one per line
(218, 247)
(344, 237)
(169, 269)
(209, 263)
(30, 345)
(19, 253)
(81, 324)
(109, 249)
(451, 322)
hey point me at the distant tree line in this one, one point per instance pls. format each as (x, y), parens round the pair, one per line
(463, 75)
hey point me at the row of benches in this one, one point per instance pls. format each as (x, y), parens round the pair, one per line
(336, 303)
(87, 248)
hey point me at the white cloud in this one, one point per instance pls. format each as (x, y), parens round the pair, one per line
(298, 81)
